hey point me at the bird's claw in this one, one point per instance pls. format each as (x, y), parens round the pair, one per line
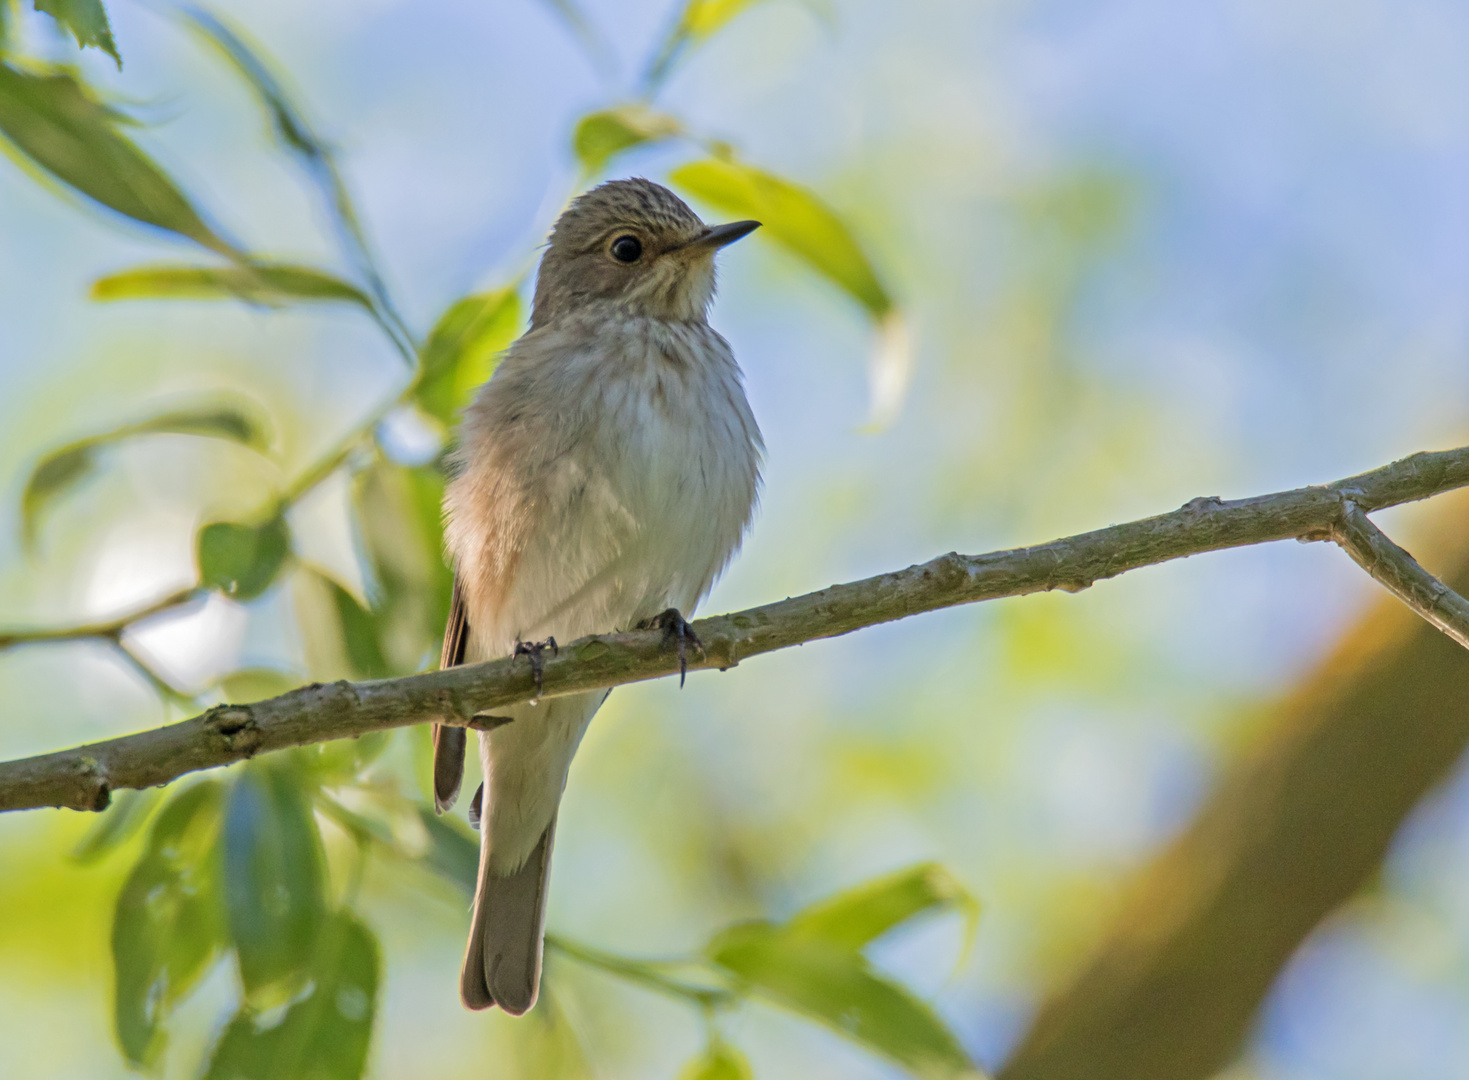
(679, 629)
(532, 650)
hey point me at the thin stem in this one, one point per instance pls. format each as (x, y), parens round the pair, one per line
(161, 686)
(104, 628)
(643, 973)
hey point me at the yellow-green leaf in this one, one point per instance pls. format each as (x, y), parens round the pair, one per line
(855, 917)
(125, 814)
(87, 21)
(720, 1062)
(168, 924)
(55, 122)
(792, 216)
(255, 282)
(256, 684)
(601, 136)
(461, 350)
(835, 987)
(701, 18)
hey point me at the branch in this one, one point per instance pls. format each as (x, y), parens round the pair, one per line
(105, 628)
(1298, 823)
(82, 778)
(1400, 573)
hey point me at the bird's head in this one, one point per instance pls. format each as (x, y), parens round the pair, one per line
(636, 245)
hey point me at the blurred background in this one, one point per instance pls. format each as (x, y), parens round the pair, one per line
(1126, 253)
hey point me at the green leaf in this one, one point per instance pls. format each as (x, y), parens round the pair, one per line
(857, 916)
(452, 853)
(87, 20)
(399, 519)
(257, 684)
(260, 283)
(167, 927)
(835, 986)
(792, 216)
(56, 123)
(719, 1062)
(359, 634)
(324, 1035)
(64, 468)
(274, 881)
(242, 560)
(601, 136)
(127, 813)
(461, 350)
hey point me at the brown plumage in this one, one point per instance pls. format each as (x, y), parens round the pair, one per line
(606, 473)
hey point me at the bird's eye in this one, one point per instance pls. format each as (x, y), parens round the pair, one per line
(627, 249)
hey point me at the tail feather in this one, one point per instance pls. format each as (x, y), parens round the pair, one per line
(502, 965)
(449, 742)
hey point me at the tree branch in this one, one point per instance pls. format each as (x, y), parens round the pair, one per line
(1298, 822)
(82, 778)
(1400, 573)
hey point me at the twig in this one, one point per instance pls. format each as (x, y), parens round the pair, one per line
(104, 628)
(1400, 573)
(81, 778)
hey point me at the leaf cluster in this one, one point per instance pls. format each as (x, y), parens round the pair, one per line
(234, 870)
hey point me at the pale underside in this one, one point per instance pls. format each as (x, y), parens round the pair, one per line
(610, 469)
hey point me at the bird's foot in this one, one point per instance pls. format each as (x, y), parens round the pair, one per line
(532, 650)
(676, 628)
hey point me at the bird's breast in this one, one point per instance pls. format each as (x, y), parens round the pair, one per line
(638, 471)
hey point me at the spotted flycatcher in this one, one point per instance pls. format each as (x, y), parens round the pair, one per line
(605, 475)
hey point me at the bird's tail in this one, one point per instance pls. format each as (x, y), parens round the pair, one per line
(502, 965)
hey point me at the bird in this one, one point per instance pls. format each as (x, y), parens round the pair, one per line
(603, 477)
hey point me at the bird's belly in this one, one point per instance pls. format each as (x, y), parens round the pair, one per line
(641, 515)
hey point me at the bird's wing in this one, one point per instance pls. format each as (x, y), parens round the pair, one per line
(449, 741)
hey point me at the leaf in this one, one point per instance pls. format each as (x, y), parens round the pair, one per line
(359, 634)
(461, 349)
(257, 684)
(127, 813)
(64, 468)
(719, 1062)
(54, 121)
(792, 216)
(399, 519)
(168, 926)
(242, 560)
(451, 852)
(601, 136)
(274, 881)
(853, 918)
(258, 283)
(836, 987)
(87, 20)
(295, 134)
(325, 1034)
(702, 18)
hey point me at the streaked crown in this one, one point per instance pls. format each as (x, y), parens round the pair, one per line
(631, 247)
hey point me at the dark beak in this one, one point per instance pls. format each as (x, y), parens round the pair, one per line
(719, 235)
